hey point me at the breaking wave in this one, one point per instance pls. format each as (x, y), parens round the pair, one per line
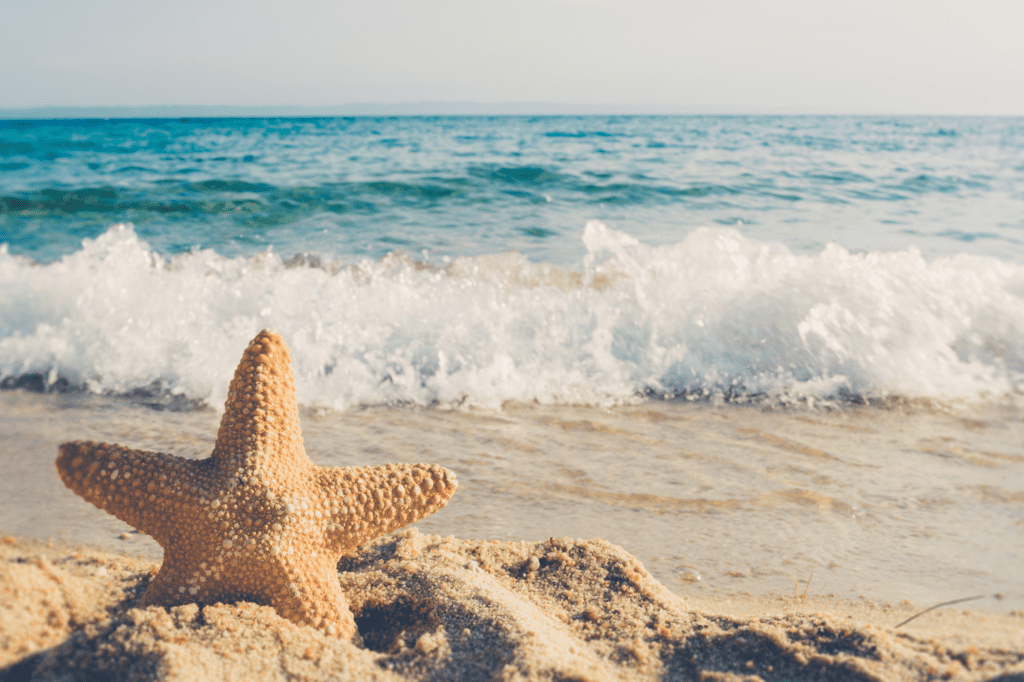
(717, 315)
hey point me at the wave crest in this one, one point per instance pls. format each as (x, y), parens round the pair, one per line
(715, 315)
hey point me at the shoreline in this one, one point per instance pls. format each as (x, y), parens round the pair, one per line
(444, 608)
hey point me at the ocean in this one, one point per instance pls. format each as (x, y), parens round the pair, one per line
(747, 349)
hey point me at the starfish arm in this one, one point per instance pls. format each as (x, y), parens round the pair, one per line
(146, 490)
(260, 414)
(184, 578)
(314, 597)
(365, 502)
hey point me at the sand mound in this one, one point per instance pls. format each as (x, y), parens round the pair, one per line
(448, 609)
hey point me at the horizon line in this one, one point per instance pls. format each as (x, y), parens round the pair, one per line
(424, 108)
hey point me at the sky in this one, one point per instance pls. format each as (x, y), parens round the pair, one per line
(686, 56)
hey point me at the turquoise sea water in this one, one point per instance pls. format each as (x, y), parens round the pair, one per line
(739, 346)
(349, 188)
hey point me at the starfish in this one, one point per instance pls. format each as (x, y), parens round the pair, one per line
(256, 520)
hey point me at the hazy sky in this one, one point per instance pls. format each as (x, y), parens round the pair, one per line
(787, 56)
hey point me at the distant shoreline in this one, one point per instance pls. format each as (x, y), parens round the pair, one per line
(341, 111)
(423, 109)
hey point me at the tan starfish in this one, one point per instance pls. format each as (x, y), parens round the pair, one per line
(256, 520)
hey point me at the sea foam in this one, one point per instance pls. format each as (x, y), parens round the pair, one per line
(716, 315)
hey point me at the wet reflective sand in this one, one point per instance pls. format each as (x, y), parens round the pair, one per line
(919, 502)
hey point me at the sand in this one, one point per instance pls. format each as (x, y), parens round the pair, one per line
(433, 608)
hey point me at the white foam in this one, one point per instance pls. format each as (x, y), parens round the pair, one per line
(714, 314)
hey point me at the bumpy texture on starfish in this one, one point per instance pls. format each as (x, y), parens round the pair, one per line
(256, 520)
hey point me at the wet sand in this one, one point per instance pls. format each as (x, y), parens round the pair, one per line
(436, 608)
(890, 503)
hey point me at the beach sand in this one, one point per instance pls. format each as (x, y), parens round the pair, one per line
(436, 608)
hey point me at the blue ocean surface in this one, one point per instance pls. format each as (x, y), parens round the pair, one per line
(465, 186)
